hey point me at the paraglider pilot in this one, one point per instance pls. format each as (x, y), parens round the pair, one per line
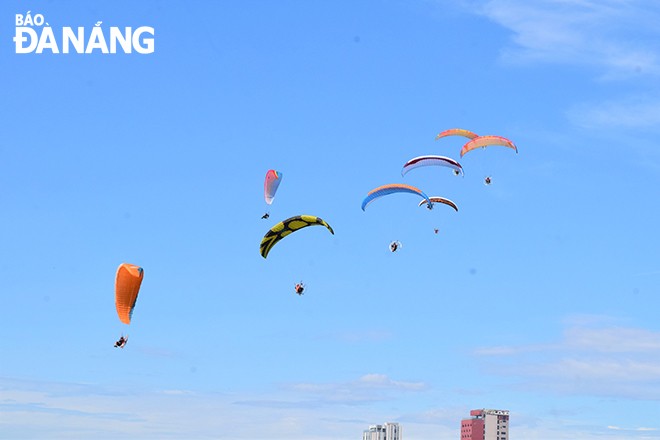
(266, 215)
(487, 181)
(121, 342)
(300, 288)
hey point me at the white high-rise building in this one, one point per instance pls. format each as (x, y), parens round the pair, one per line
(388, 431)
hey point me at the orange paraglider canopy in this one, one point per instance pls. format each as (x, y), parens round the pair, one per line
(127, 286)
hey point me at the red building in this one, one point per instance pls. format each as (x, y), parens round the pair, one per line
(486, 424)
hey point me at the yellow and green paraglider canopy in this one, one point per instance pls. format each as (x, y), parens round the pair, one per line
(288, 226)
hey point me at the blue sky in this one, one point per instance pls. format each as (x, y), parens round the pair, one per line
(538, 296)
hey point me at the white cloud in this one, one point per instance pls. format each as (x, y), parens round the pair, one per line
(368, 381)
(631, 112)
(464, 392)
(368, 388)
(78, 411)
(634, 429)
(438, 416)
(618, 39)
(611, 339)
(156, 352)
(384, 382)
(585, 319)
(620, 36)
(588, 370)
(280, 404)
(371, 335)
(498, 351)
(335, 420)
(608, 361)
(647, 273)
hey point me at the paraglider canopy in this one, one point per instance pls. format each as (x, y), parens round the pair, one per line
(484, 141)
(273, 179)
(127, 286)
(429, 160)
(456, 132)
(288, 226)
(440, 200)
(393, 189)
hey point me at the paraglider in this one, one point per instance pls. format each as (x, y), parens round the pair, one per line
(440, 200)
(484, 141)
(300, 288)
(456, 132)
(127, 286)
(395, 246)
(392, 189)
(423, 161)
(282, 229)
(273, 179)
